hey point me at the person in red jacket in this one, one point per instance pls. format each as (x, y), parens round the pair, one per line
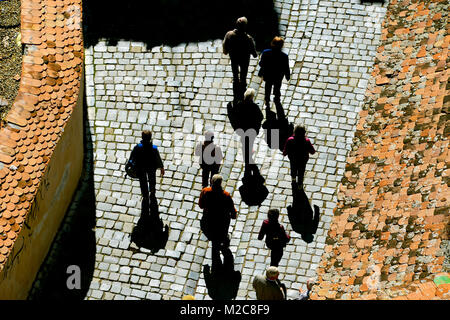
(218, 210)
(298, 148)
(276, 237)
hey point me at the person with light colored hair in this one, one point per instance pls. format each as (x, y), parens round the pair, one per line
(239, 45)
(304, 295)
(248, 118)
(268, 287)
(218, 210)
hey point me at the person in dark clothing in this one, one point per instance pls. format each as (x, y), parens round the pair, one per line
(210, 158)
(148, 160)
(248, 118)
(298, 148)
(218, 210)
(239, 45)
(301, 215)
(274, 65)
(276, 236)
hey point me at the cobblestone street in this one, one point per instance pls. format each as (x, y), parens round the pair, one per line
(178, 93)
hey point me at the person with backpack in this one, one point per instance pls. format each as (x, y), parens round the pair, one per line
(239, 45)
(276, 236)
(298, 148)
(210, 156)
(274, 66)
(218, 210)
(146, 159)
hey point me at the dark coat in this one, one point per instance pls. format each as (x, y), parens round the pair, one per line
(247, 115)
(239, 45)
(275, 234)
(274, 65)
(218, 210)
(298, 150)
(146, 156)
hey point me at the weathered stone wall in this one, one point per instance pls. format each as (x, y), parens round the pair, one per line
(389, 229)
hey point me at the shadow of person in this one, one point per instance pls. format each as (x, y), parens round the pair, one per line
(301, 216)
(277, 128)
(222, 281)
(253, 191)
(150, 232)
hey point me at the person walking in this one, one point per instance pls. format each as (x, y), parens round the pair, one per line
(239, 45)
(218, 210)
(268, 287)
(210, 157)
(274, 66)
(276, 237)
(298, 148)
(249, 118)
(148, 160)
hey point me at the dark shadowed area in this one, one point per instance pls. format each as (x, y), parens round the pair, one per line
(171, 22)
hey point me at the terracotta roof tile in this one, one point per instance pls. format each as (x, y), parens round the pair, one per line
(53, 66)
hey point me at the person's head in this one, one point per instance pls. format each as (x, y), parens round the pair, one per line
(299, 131)
(310, 283)
(209, 136)
(249, 95)
(241, 24)
(272, 273)
(146, 135)
(216, 182)
(273, 215)
(277, 43)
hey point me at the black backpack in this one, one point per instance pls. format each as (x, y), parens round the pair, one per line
(277, 237)
(131, 167)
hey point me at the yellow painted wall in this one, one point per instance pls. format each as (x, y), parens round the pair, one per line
(54, 196)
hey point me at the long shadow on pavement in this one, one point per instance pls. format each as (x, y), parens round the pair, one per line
(171, 22)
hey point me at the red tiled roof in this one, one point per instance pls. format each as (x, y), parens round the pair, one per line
(50, 82)
(393, 204)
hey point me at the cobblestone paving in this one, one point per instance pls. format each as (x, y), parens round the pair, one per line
(177, 93)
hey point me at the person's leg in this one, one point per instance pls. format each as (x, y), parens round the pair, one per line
(236, 84)
(144, 186)
(235, 70)
(205, 176)
(275, 256)
(267, 92)
(315, 223)
(152, 181)
(243, 76)
(214, 169)
(293, 171)
(301, 172)
(277, 99)
(215, 256)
